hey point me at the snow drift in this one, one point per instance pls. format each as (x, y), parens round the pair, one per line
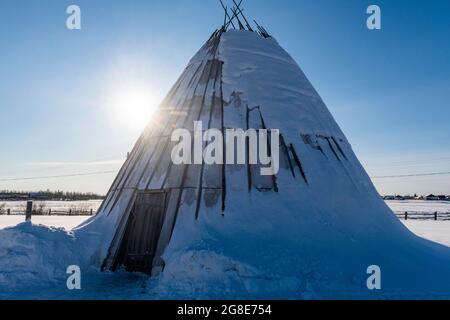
(35, 255)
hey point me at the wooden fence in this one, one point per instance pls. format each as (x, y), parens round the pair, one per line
(417, 215)
(48, 212)
(409, 215)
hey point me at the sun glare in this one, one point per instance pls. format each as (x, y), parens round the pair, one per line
(133, 106)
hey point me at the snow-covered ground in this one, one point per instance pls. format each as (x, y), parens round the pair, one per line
(67, 223)
(432, 230)
(395, 205)
(54, 205)
(419, 206)
(435, 231)
(438, 231)
(30, 244)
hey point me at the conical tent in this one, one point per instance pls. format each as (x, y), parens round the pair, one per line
(318, 216)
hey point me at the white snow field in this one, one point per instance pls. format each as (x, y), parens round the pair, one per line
(313, 239)
(50, 251)
(419, 206)
(437, 231)
(65, 222)
(395, 205)
(54, 205)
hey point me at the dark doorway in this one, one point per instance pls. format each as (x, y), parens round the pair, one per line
(142, 233)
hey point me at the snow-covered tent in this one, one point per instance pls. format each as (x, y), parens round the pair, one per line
(314, 226)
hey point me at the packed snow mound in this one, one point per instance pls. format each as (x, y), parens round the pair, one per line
(201, 274)
(253, 262)
(33, 255)
(308, 254)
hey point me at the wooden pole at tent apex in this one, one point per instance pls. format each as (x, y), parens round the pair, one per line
(228, 16)
(236, 14)
(232, 18)
(242, 14)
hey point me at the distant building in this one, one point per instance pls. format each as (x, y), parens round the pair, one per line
(38, 196)
(432, 197)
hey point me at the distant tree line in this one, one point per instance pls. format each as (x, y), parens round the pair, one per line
(49, 195)
(430, 197)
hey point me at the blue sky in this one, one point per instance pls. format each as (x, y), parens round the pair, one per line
(389, 90)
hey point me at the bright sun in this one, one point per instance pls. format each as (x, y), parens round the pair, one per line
(132, 106)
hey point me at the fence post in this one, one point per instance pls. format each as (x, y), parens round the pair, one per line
(8, 212)
(92, 212)
(406, 215)
(49, 212)
(29, 211)
(435, 216)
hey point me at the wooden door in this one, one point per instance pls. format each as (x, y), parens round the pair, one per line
(142, 234)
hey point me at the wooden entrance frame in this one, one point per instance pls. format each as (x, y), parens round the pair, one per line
(172, 199)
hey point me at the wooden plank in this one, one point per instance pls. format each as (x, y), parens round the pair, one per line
(138, 151)
(161, 170)
(151, 166)
(141, 167)
(180, 118)
(327, 141)
(194, 171)
(298, 162)
(167, 229)
(313, 160)
(157, 164)
(119, 230)
(174, 175)
(141, 237)
(177, 172)
(286, 162)
(344, 165)
(339, 148)
(288, 173)
(121, 187)
(212, 115)
(212, 174)
(149, 158)
(258, 181)
(115, 189)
